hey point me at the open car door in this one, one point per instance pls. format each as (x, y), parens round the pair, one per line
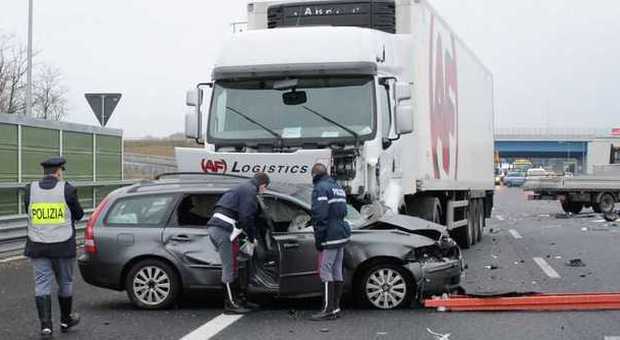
(298, 257)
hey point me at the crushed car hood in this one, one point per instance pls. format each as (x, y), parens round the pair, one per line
(410, 224)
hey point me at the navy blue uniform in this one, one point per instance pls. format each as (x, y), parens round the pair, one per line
(239, 204)
(329, 208)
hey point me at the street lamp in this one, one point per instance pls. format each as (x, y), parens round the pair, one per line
(29, 71)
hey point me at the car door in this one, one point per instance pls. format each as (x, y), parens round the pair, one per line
(186, 238)
(132, 227)
(298, 257)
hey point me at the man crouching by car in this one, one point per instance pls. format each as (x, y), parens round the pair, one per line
(235, 212)
(331, 234)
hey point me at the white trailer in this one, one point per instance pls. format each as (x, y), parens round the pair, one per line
(599, 191)
(383, 92)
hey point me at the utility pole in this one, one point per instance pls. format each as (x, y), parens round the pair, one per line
(29, 74)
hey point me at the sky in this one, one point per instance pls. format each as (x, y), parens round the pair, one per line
(554, 62)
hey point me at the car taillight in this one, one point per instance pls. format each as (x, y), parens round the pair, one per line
(89, 233)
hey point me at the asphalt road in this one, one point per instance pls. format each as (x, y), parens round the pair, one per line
(108, 315)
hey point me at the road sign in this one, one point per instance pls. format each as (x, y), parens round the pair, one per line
(103, 104)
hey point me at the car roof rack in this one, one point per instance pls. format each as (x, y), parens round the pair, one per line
(170, 174)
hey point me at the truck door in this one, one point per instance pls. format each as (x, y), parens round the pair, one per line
(298, 269)
(186, 238)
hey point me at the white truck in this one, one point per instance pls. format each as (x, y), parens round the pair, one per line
(383, 92)
(600, 190)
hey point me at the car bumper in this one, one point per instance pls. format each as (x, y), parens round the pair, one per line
(437, 277)
(99, 274)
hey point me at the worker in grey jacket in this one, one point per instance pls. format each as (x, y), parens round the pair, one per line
(53, 208)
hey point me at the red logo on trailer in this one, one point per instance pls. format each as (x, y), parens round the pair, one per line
(615, 132)
(444, 102)
(217, 166)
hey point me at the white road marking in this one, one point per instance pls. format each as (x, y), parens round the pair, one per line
(212, 327)
(611, 337)
(11, 259)
(515, 234)
(546, 268)
(499, 217)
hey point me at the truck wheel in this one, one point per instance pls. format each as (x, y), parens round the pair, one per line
(571, 207)
(464, 235)
(606, 203)
(152, 284)
(386, 286)
(480, 224)
(473, 220)
(428, 208)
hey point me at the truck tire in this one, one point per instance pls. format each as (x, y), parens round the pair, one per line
(474, 220)
(606, 203)
(480, 225)
(428, 208)
(571, 207)
(464, 235)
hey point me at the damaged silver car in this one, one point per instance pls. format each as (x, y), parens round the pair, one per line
(159, 227)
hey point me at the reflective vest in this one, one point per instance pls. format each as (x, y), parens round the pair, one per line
(49, 217)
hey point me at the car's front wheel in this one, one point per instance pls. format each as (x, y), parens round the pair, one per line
(385, 286)
(152, 284)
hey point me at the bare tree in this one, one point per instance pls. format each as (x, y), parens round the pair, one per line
(49, 100)
(13, 67)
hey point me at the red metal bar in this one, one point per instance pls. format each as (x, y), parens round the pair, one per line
(542, 302)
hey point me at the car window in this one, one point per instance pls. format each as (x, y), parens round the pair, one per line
(139, 211)
(286, 216)
(196, 209)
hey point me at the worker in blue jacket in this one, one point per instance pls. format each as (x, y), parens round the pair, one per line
(331, 234)
(235, 212)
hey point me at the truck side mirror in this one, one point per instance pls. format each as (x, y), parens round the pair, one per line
(193, 118)
(403, 118)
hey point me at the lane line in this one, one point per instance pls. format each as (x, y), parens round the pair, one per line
(607, 337)
(515, 234)
(546, 268)
(212, 327)
(11, 259)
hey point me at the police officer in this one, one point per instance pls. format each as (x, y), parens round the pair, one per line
(234, 212)
(53, 208)
(331, 234)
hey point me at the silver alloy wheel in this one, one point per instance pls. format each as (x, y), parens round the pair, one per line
(386, 288)
(151, 285)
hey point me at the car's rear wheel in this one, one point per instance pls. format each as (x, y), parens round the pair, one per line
(152, 284)
(386, 286)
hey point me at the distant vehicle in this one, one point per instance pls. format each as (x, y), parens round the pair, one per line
(599, 191)
(537, 172)
(514, 179)
(522, 164)
(150, 240)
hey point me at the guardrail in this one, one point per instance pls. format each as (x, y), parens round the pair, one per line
(14, 228)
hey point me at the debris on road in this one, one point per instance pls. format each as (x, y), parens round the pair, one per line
(491, 267)
(494, 230)
(439, 336)
(584, 229)
(324, 330)
(611, 217)
(575, 263)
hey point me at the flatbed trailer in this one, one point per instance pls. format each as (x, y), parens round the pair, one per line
(578, 192)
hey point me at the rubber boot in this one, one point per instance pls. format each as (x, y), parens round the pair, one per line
(338, 289)
(231, 306)
(241, 284)
(44, 307)
(67, 319)
(328, 305)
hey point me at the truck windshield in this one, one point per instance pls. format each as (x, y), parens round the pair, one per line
(345, 101)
